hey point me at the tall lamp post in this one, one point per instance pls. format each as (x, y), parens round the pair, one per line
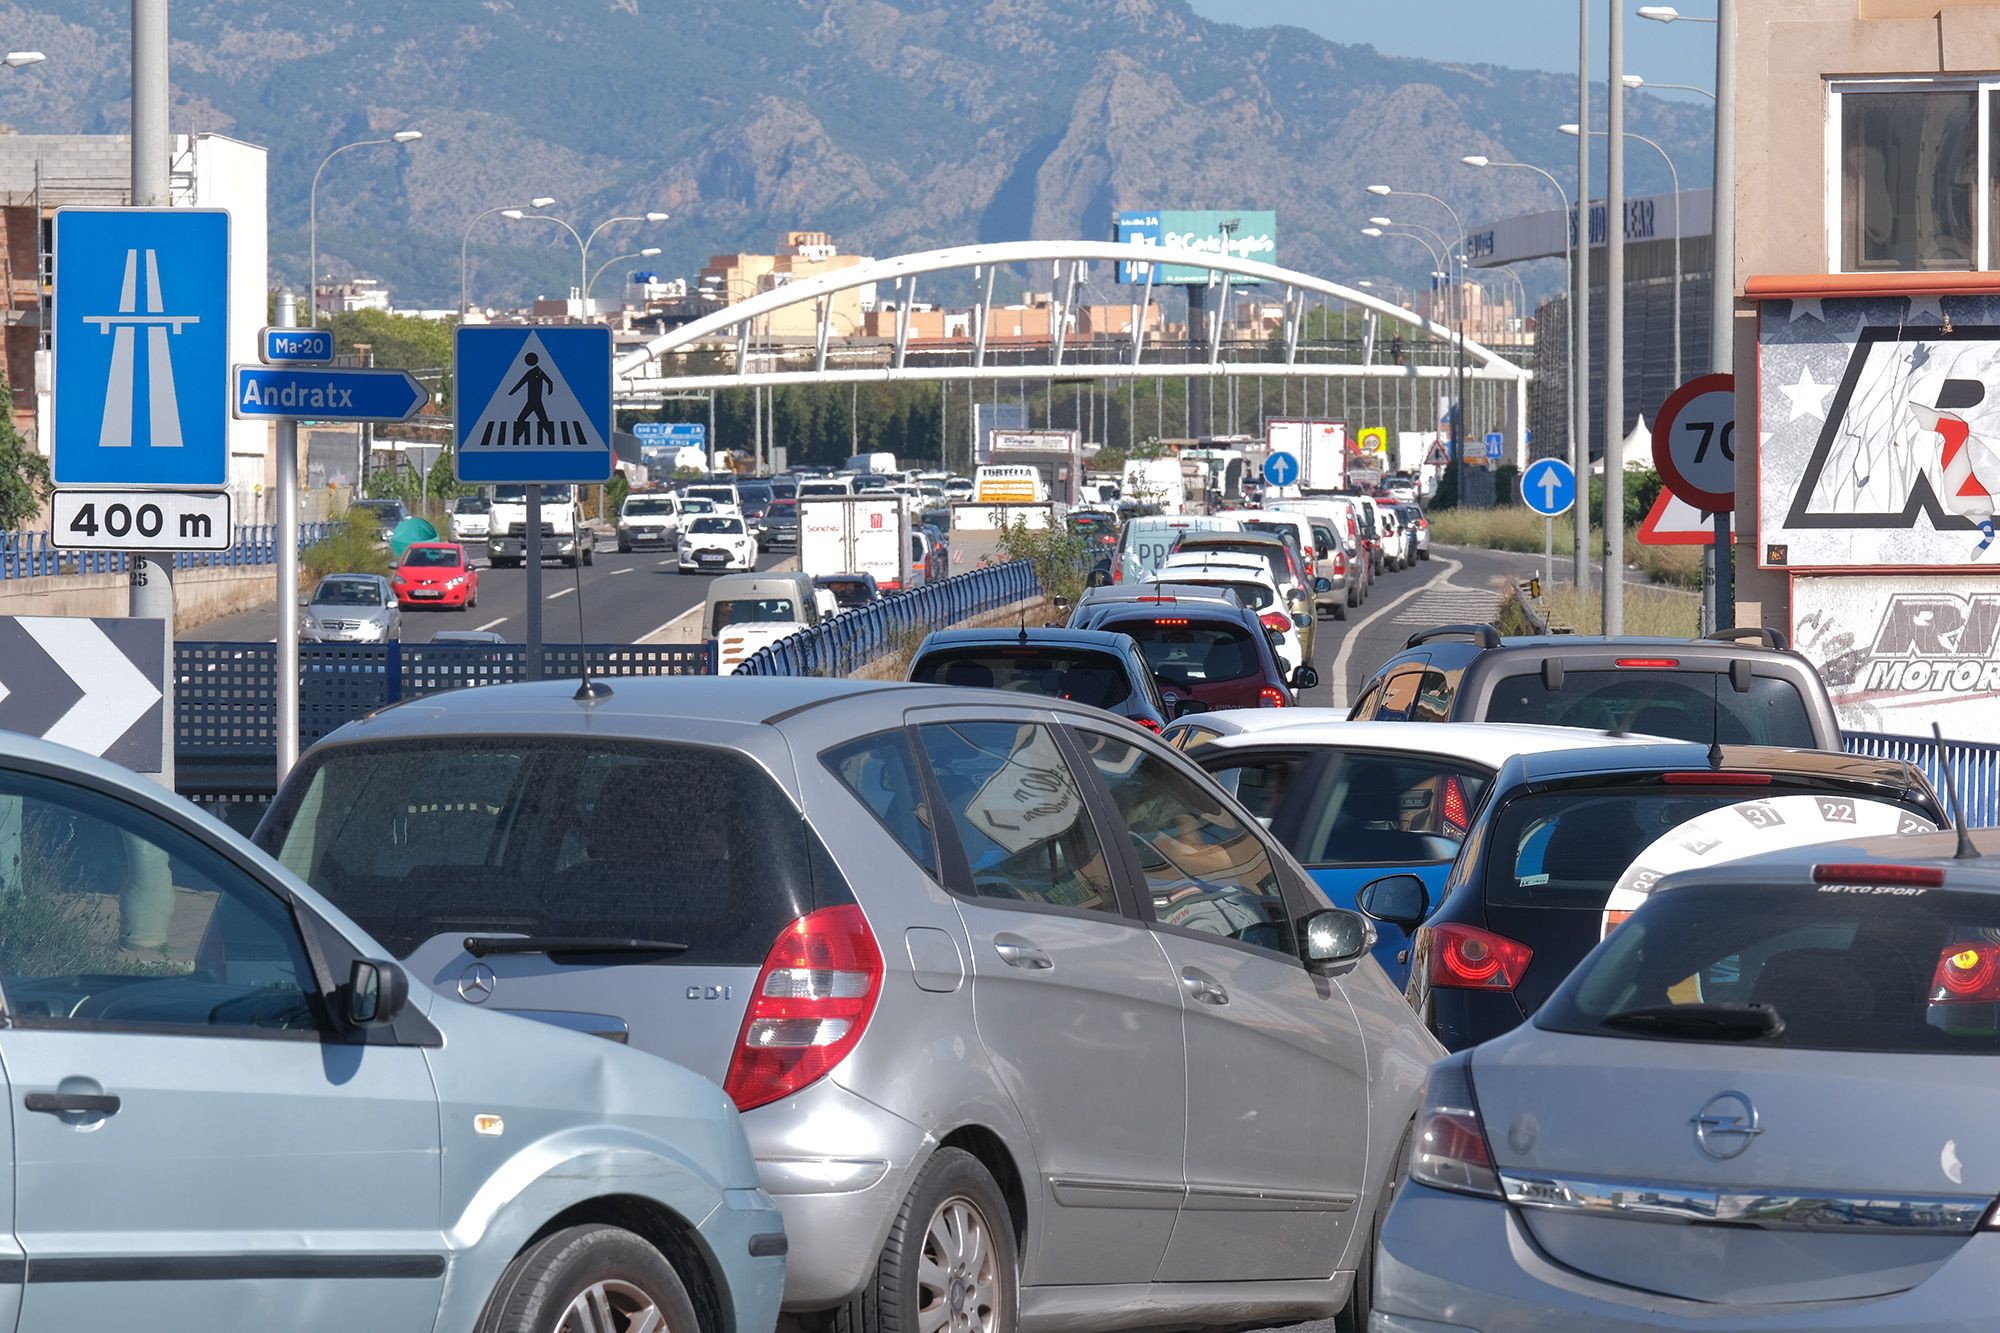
(463, 299)
(399, 138)
(1674, 175)
(1458, 408)
(646, 253)
(651, 216)
(1634, 82)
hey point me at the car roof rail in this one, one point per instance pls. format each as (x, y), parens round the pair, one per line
(1488, 636)
(1770, 638)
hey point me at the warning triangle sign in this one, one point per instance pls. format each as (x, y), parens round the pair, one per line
(1675, 522)
(533, 407)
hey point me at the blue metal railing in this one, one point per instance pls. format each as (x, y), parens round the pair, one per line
(28, 555)
(855, 638)
(1975, 765)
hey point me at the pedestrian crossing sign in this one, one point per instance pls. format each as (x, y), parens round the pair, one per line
(533, 404)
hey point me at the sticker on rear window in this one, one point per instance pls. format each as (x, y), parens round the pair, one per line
(1528, 881)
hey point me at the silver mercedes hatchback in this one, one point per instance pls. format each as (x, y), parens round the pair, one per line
(1030, 1025)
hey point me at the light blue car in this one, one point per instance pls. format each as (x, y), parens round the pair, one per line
(227, 1112)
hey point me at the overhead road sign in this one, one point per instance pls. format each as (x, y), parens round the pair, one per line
(140, 521)
(1281, 469)
(693, 433)
(93, 685)
(307, 393)
(1694, 442)
(534, 404)
(1548, 487)
(140, 339)
(277, 346)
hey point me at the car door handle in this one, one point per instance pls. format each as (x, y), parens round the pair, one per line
(1017, 952)
(62, 1103)
(1203, 987)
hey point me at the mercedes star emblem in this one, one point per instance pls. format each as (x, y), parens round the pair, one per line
(477, 983)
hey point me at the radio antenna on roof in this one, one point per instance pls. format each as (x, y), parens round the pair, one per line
(1965, 851)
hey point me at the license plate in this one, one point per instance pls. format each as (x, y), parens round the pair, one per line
(425, 592)
(714, 558)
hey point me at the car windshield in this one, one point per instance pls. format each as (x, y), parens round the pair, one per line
(1364, 808)
(648, 508)
(447, 835)
(347, 592)
(1097, 679)
(722, 495)
(756, 611)
(1184, 650)
(470, 505)
(381, 509)
(696, 506)
(1691, 705)
(1255, 596)
(431, 557)
(784, 509)
(518, 495)
(717, 523)
(1838, 967)
(1274, 558)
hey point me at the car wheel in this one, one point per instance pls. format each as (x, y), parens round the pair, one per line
(949, 1262)
(1361, 1300)
(624, 548)
(585, 1279)
(590, 553)
(1340, 610)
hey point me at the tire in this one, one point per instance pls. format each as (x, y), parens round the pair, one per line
(624, 548)
(590, 1271)
(1340, 610)
(1361, 1301)
(1353, 596)
(590, 554)
(953, 1184)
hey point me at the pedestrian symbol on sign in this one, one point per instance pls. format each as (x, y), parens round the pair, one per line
(534, 381)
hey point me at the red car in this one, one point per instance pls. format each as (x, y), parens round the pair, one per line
(435, 574)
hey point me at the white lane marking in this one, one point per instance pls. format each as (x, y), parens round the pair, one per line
(1354, 628)
(559, 592)
(616, 572)
(494, 624)
(664, 563)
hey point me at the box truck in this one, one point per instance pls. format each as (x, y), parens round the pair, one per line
(858, 534)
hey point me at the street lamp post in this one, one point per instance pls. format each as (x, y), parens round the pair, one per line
(646, 253)
(399, 138)
(651, 216)
(1634, 82)
(1458, 408)
(463, 299)
(1675, 176)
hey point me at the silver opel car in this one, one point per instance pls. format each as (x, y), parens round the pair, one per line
(1030, 1025)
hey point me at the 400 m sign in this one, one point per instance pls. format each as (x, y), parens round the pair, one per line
(140, 521)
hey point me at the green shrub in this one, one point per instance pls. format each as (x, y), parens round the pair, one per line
(351, 548)
(1059, 555)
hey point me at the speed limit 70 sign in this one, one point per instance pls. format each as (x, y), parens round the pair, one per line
(1694, 442)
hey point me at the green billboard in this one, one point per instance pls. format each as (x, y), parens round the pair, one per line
(1238, 233)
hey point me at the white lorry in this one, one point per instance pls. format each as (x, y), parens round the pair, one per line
(1156, 483)
(858, 534)
(978, 530)
(564, 534)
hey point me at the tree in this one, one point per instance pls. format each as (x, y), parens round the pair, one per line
(24, 474)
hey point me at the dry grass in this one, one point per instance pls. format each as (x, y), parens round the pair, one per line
(1515, 529)
(1660, 611)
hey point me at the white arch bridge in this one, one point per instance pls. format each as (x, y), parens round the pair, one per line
(1435, 363)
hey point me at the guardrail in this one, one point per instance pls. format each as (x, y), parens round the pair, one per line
(855, 638)
(28, 555)
(1974, 764)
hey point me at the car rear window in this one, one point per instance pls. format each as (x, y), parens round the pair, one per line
(546, 835)
(1845, 967)
(1363, 809)
(1255, 596)
(1681, 705)
(1086, 677)
(1566, 848)
(1185, 650)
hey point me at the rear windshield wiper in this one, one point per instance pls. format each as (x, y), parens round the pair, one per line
(1716, 1022)
(479, 946)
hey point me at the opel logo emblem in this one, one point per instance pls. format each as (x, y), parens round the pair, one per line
(1725, 1125)
(477, 983)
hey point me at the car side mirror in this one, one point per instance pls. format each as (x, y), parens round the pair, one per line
(1060, 603)
(1301, 619)
(1322, 584)
(1098, 578)
(1305, 678)
(1276, 638)
(1400, 900)
(376, 993)
(1334, 935)
(393, 604)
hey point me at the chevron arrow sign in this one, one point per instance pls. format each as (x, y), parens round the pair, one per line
(93, 685)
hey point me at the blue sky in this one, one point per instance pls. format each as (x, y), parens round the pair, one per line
(1524, 34)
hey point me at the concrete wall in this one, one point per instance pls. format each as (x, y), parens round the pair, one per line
(200, 595)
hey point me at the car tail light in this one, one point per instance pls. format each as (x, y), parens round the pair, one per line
(1967, 973)
(1170, 620)
(1451, 1151)
(1468, 958)
(1277, 621)
(1272, 697)
(813, 1000)
(1929, 877)
(1117, 571)
(1657, 663)
(1148, 724)
(890, 585)
(1455, 813)
(1155, 598)
(1340, 562)
(1710, 778)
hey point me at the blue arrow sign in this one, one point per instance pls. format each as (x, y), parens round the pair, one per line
(1548, 487)
(298, 393)
(1281, 469)
(141, 343)
(294, 347)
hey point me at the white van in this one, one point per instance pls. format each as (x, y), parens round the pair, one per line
(876, 463)
(822, 486)
(1157, 482)
(1144, 542)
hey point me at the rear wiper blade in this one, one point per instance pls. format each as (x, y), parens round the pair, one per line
(1719, 1022)
(479, 946)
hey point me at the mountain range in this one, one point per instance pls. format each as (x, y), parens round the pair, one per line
(895, 125)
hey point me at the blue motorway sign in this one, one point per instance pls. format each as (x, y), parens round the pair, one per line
(1496, 444)
(1280, 468)
(316, 393)
(1548, 486)
(534, 404)
(140, 393)
(294, 347)
(674, 433)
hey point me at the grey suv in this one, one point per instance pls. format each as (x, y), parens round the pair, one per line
(1028, 1022)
